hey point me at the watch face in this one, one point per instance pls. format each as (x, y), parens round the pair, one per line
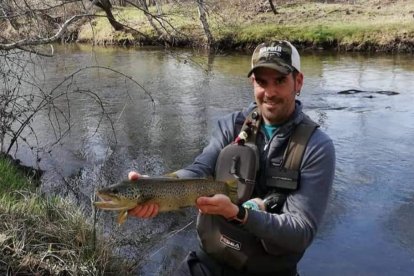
(250, 204)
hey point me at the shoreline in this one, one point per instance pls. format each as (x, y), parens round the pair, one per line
(393, 47)
(365, 26)
(32, 173)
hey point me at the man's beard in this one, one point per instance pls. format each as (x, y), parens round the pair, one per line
(273, 110)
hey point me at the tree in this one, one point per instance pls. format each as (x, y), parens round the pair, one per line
(272, 7)
(29, 23)
(28, 27)
(107, 7)
(203, 19)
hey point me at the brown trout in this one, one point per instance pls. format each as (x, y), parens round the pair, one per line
(169, 193)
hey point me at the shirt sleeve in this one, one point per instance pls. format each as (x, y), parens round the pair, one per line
(302, 213)
(204, 164)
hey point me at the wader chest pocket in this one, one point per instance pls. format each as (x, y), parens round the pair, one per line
(240, 162)
(282, 178)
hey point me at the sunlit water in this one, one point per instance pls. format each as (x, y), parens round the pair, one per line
(369, 226)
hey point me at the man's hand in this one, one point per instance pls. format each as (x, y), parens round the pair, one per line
(217, 205)
(149, 210)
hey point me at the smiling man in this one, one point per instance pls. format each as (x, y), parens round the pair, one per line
(276, 80)
(285, 165)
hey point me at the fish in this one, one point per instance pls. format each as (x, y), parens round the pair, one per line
(169, 193)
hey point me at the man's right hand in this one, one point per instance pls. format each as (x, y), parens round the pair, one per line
(147, 210)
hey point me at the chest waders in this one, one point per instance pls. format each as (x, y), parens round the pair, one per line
(229, 243)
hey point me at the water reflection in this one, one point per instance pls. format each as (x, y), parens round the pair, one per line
(400, 222)
(366, 228)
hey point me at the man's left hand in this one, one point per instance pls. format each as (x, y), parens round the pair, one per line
(217, 205)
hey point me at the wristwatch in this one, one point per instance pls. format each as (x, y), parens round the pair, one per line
(241, 216)
(251, 204)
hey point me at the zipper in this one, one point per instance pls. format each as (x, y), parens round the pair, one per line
(266, 155)
(263, 166)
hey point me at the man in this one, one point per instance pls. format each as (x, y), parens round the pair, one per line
(252, 238)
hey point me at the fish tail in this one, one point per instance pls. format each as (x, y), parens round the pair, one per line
(231, 186)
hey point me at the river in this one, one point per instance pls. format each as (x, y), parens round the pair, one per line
(368, 228)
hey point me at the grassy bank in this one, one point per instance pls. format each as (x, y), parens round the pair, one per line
(47, 236)
(368, 25)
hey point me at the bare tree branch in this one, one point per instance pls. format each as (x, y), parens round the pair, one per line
(160, 21)
(39, 41)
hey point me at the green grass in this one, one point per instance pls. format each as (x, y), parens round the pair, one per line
(41, 235)
(10, 177)
(310, 23)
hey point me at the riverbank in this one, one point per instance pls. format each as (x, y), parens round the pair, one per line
(372, 25)
(42, 235)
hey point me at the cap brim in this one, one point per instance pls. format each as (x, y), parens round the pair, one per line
(282, 69)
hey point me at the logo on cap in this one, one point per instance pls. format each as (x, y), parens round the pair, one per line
(278, 55)
(274, 50)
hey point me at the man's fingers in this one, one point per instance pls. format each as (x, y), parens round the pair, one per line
(145, 211)
(218, 204)
(155, 210)
(135, 211)
(133, 175)
(203, 200)
(209, 209)
(217, 200)
(142, 213)
(139, 211)
(150, 211)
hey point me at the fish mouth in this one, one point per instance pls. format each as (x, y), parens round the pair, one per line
(105, 197)
(112, 203)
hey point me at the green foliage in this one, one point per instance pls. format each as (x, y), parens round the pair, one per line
(322, 34)
(10, 177)
(262, 32)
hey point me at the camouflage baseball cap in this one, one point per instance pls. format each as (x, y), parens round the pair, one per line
(278, 55)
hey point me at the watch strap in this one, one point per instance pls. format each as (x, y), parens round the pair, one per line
(241, 216)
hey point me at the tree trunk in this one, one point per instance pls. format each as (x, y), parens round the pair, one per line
(272, 7)
(107, 7)
(203, 18)
(158, 5)
(144, 6)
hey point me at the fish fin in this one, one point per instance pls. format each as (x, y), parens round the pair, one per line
(231, 186)
(171, 175)
(122, 217)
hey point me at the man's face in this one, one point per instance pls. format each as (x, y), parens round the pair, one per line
(275, 94)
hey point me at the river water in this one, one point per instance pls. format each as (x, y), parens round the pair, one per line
(369, 225)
